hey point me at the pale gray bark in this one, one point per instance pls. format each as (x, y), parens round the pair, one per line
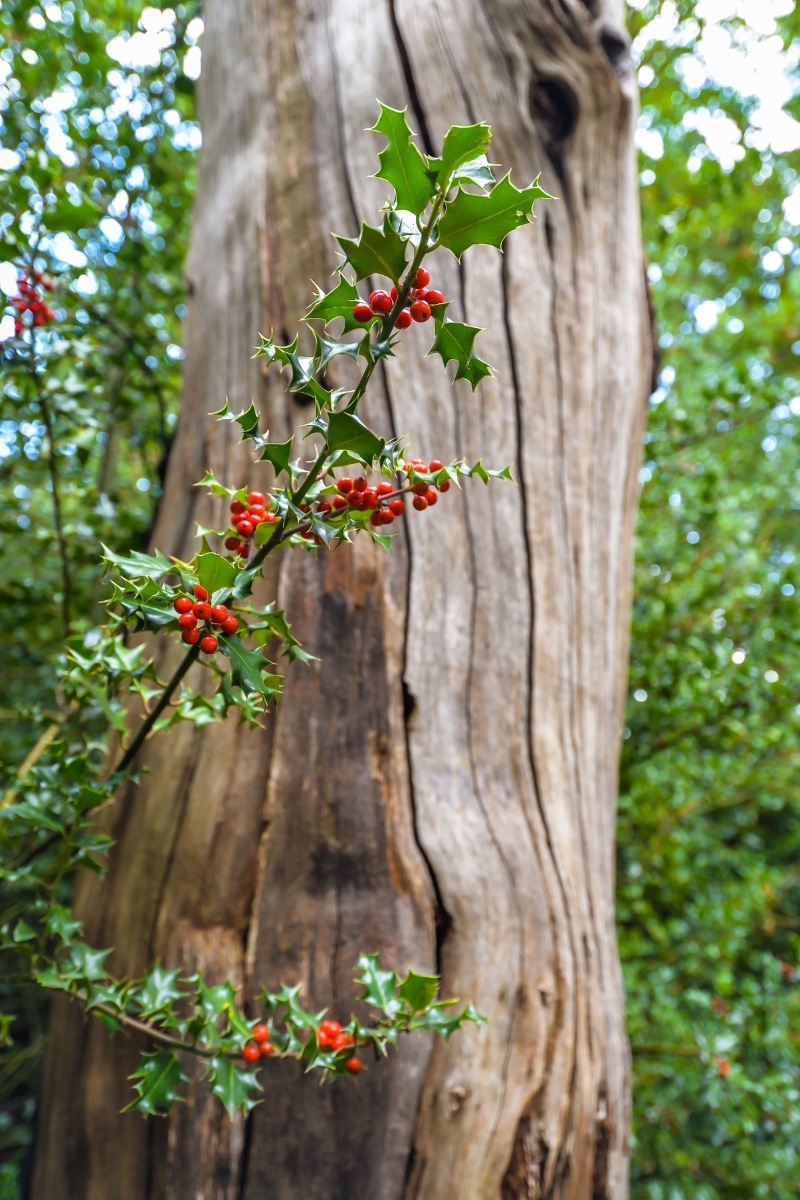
(441, 786)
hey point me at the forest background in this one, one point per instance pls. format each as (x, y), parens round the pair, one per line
(98, 129)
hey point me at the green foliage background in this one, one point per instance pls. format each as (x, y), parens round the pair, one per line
(709, 869)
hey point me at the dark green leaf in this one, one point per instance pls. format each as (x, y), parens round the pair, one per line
(418, 991)
(402, 164)
(339, 302)
(462, 144)
(472, 220)
(157, 1080)
(347, 432)
(376, 252)
(279, 454)
(380, 987)
(215, 572)
(248, 668)
(454, 343)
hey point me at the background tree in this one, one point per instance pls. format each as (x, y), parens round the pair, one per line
(451, 799)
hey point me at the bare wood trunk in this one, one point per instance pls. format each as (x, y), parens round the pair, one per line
(441, 786)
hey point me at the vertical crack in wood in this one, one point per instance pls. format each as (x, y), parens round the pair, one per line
(410, 81)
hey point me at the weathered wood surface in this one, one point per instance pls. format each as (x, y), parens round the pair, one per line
(441, 786)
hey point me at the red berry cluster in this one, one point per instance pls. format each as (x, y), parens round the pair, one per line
(382, 302)
(30, 300)
(245, 519)
(260, 1047)
(332, 1037)
(199, 611)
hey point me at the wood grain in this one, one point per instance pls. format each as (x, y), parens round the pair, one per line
(441, 786)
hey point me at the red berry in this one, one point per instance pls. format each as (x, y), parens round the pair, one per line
(257, 510)
(245, 528)
(190, 636)
(420, 502)
(256, 498)
(260, 1032)
(363, 313)
(200, 592)
(354, 1065)
(339, 502)
(354, 499)
(341, 1040)
(422, 277)
(384, 488)
(421, 310)
(266, 1049)
(232, 543)
(324, 506)
(360, 484)
(376, 519)
(403, 318)
(244, 549)
(230, 625)
(219, 614)
(420, 489)
(393, 292)
(444, 486)
(370, 498)
(183, 604)
(421, 294)
(380, 301)
(237, 507)
(386, 516)
(398, 507)
(251, 1053)
(345, 485)
(330, 1028)
(187, 621)
(431, 497)
(202, 610)
(324, 1040)
(435, 465)
(208, 644)
(434, 297)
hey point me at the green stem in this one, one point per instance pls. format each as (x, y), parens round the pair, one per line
(152, 717)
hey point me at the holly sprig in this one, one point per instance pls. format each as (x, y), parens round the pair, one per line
(339, 478)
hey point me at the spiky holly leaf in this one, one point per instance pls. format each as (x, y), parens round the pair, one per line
(454, 343)
(158, 990)
(380, 987)
(303, 368)
(157, 1080)
(477, 170)
(137, 565)
(486, 220)
(279, 454)
(215, 572)
(235, 1085)
(328, 348)
(418, 991)
(462, 144)
(402, 164)
(445, 1023)
(248, 422)
(376, 252)
(405, 223)
(249, 668)
(339, 302)
(211, 482)
(347, 432)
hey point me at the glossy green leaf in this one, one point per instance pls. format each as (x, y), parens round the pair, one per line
(348, 432)
(402, 164)
(376, 252)
(472, 220)
(157, 1080)
(454, 343)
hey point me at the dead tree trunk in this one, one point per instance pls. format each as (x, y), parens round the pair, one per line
(441, 786)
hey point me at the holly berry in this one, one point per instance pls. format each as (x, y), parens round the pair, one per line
(431, 497)
(444, 486)
(219, 614)
(354, 1065)
(435, 465)
(370, 497)
(380, 301)
(422, 277)
(360, 484)
(251, 1053)
(420, 503)
(237, 507)
(266, 1049)
(260, 1032)
(341, 1040)
(393, 292)
(420, 311)
(190, 636)
(256, 498)
(384, 488)
(363, 313)
(324, 506)
(202, 610)
(183, 604)
(376, 519)
(398, 507)
(200, 592)
(187, 620)
(231, 543)
(420, 489)
(330, 1028)
(421, 293)
(230, 625)
(208, 644)
(345, 485)
(386, 517)
(403, 318)
(339, 502)
(434, 297)
(246, 528)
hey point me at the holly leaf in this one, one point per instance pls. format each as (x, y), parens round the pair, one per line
(418, 991)
(157, 1081)
(215, 572)
(477, 171)
(454, 343)
(486, 220)
(328, 348)
(380, 987)
(277, 453)
(339, 302)
(158, 990)
(462, 144)
(248, 422)
(211, 482)
(402, 164)
(348, 432)
(234, 1085)
(137, 565)
(248, 668)
(375, 252)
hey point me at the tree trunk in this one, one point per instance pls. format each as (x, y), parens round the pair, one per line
(441, 786)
